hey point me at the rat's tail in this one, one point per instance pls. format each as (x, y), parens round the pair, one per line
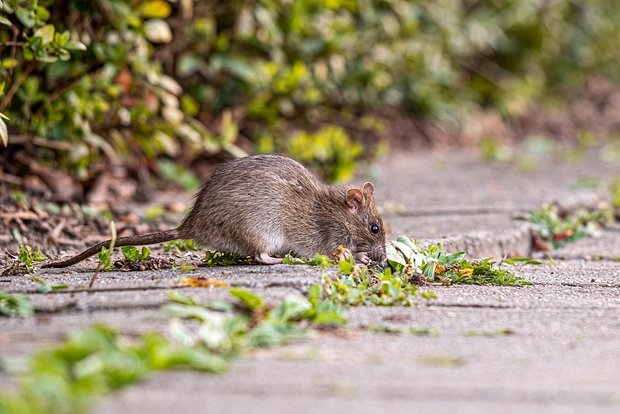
(140, 240)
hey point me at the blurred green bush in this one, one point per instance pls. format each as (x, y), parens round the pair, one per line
(137, 79)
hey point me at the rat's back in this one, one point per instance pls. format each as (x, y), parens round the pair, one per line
(244, 205)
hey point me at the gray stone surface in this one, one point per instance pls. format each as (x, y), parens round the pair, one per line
(562, 356)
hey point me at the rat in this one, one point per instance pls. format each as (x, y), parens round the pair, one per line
(267, 206)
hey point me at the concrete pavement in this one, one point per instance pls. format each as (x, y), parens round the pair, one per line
(550, 347)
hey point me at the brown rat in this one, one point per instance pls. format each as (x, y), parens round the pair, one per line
(265, 206)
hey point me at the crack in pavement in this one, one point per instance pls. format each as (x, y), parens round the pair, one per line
(300, 286)
(434, 212)
(85, 307)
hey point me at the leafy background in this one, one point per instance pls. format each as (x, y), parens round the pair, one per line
(155, 86)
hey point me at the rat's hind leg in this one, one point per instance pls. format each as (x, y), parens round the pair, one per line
(264, 258)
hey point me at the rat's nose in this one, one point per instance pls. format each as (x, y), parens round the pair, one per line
(378, 256)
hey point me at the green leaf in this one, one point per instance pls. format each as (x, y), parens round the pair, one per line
(196, 358)
(182, 245)
(4, 133)
(429, 270)
(291, 307)
(47, 58)
(46, 33)
(188, 312)
(9, 63)
(522, 260)
(314, 293)
(329, 318)
(409, 243)
(178, 297)
(28, 54)
(25, 16)
(15, 305)
(224, 259)
(228, 128)
(157, 31)
(5, 21)
(156, 8)
(453, 258)
(252, 301)
(130, 253)
(403, 249)
(61, 39)
(346, 266)
(42, 13)
(75, 45)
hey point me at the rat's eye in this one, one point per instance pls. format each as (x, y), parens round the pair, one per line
(374, 229)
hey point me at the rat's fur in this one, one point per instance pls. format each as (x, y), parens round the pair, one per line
(266, 206)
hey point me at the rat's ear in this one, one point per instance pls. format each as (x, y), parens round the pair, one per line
(354, 198)
(369, 189)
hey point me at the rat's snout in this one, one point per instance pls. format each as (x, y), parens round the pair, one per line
(377, 254)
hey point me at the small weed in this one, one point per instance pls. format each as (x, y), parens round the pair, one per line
(521, 260)
(24, 261)
(433, 264)
(225, 259)
(27, 257)
(132, 254)
(499, 332)
(410, 265)
(140, 260)
(182, 246)
(553, 230)
(15, 305)
(358, 285)
(105, 255)
(317, 260)
(405, 330)
(441, 361)
(494, 151)
(185, 267)
(98, 360)
(44, 287)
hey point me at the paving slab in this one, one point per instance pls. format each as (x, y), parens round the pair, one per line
(298, 276)
(459, 181)
(562, 355)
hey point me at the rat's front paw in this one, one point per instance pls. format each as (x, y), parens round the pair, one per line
(362, 257)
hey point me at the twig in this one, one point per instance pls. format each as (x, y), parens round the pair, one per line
(40, 142)
(13, 50)
(11, 179)
(20, 215)
(55, 233)
(97, 270)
